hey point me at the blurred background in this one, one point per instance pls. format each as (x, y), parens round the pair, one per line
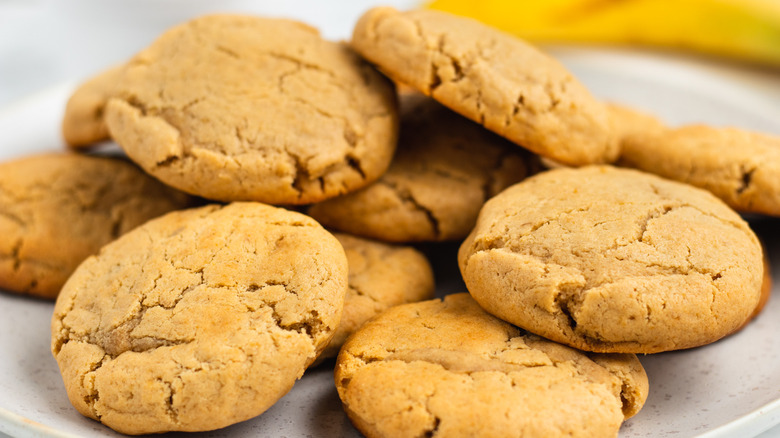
(46, 42)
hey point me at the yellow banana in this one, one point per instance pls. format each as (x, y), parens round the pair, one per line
(747, 29)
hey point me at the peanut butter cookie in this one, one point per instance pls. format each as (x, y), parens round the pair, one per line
(491, 77)
(449, 369)
(247, 108)
(445, 168)
(58, 209)
(380, 276)
(740, 167)
(82, 124)
(613, 260)
(630, 121)
(199, 319)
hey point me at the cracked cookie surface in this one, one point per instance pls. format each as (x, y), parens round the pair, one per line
(247, 108)
(445, 168)
(491, 77)
(613, 260)
(739, 167)
(82, 122)
(199, 319)
(447, 368)
(380, 276)
(58, 209)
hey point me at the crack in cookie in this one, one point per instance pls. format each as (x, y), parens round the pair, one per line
(739, 167)
(58, 209)
(443, 368)
(198, 319)
(491, 77)
(445, 168)
(207, 108)
(605, 259)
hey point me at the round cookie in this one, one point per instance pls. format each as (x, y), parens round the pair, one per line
(246, 108)
(491, 77)
(199, 319)
(449, 369)
(58, 209)
(380, 276)
(630, 121)
(445, 168)
(613, 260)
(82, 123)
(739, 167)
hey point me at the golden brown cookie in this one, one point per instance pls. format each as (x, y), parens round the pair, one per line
(629, 121)
(766, 292)
(380, 276)
(245, 108)
(449, 369)
(199, 319)
(82, 123)
(738, 166)
(58, 209)
(445, 168)
(491, 77)
(613, 260)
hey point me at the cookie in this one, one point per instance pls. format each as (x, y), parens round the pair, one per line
(491, 77)
(246, 108)
(739, 167)
(58, 209)
(766, 292)
(629, 121)
(445, 168)
(380, 276)
(82, 123)
(199, 319)
(613, 260)
(449, 369)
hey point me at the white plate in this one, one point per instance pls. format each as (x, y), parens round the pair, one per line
(730, 388)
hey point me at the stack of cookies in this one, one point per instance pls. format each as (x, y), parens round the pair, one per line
(187, 302)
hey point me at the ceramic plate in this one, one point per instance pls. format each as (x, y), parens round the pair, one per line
(730, 388)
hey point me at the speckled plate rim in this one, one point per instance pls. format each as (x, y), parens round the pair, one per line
(750, 424)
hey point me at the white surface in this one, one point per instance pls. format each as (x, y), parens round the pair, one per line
(730, 388)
